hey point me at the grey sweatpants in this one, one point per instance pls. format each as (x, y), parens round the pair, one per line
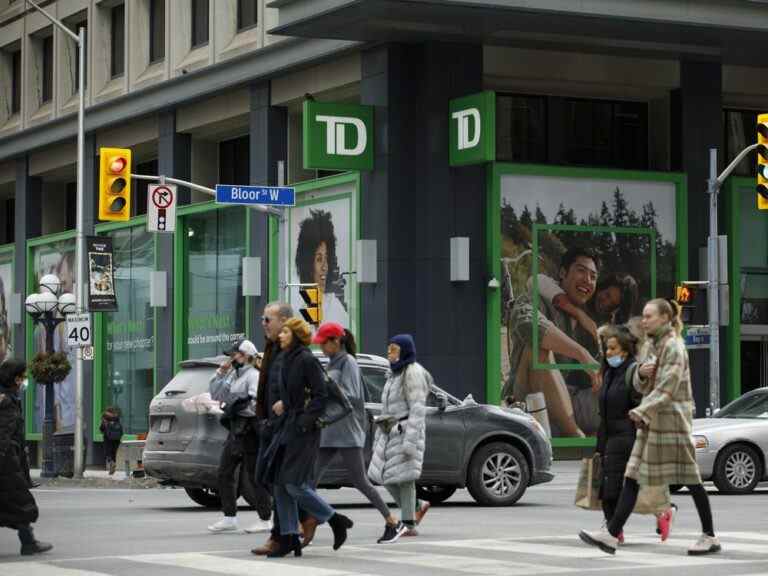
(354, 462)
(405, 496)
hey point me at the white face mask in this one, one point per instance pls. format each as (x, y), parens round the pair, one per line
(615, 361)
(24, 384)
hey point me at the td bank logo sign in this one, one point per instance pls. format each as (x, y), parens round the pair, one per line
(338, 136)
(472, 129)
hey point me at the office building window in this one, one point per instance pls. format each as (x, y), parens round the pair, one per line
(156, 30)
(521, 128)
(15, 82)
(247, 14)
(141, 187)
(118, 40)
(200, 14)
(740, 127)
(606, 134)
(234, 161)
(75, 27)
(47, 94)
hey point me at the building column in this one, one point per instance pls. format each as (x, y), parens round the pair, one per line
(174, 160)
(413, 202)
(268, 146)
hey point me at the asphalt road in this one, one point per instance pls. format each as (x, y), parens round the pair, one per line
(123, 532)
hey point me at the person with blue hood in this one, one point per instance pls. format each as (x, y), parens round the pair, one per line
(398, 448)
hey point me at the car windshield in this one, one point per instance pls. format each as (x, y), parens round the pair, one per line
(752, 405)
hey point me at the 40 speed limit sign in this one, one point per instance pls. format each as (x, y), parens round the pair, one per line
(79, 330)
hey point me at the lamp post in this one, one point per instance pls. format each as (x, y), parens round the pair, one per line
(48, 307)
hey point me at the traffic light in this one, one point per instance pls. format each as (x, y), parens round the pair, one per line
(313, 312)
(114, 184)
(762, 162)
(684, 296)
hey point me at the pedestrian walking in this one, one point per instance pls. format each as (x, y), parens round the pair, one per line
(346, 438)
(292, 458)
(274, 316)
(663, 452)
(18, 509)
(398, 447)
(112, 430)
(235, 384)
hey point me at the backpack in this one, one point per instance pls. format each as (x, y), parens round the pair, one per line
(113, 430)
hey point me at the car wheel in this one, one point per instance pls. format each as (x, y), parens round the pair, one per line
(737, 469)
(204, 496)
(435, 494)
(498, 474)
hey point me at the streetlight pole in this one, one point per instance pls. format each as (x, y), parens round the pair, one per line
(80, 284)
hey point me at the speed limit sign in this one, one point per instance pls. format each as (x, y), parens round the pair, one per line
(78, 330)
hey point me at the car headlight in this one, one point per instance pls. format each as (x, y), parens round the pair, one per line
(700, 442)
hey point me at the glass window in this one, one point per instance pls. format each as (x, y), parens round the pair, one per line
(216, 245)
(234, 161)
(55, 258)
(47, 87)
(156, 30)
(16, 82)
(521, 128)
(129, 361)
(606, 134)
(141, 187)
(247, 14)
(118, 40)
(754, 259)
(753, 405)
(10, 220)
(374, 380)
(200, 12)
(740, 128)
(81, 22)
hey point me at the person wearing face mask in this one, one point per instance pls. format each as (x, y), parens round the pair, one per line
(235, 384)
(18, 509)
(663, 452)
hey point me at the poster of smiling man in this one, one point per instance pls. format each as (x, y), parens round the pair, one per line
(577, 254)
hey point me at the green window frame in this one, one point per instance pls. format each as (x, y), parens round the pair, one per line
(494, 173)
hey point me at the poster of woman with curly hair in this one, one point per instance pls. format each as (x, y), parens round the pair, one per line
(5, 297)
(321, 246)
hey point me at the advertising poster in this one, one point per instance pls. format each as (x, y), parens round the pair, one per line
(101, 274)
(6, 271)
(602, 249)
(56, 258)
(321, 252)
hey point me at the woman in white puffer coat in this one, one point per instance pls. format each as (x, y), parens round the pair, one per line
(398, 448)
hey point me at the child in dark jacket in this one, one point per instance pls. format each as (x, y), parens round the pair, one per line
(112, 430)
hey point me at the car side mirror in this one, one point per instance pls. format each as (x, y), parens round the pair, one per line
(442, 402)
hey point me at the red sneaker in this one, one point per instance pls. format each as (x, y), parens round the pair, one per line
(620, 538)
(664, 523)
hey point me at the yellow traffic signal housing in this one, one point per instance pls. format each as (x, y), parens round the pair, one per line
(313, 312)
(114, 184)
(762, 162)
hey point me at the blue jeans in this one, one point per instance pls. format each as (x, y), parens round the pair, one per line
(290, 497)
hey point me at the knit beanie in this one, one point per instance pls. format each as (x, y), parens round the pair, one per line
(300, 329)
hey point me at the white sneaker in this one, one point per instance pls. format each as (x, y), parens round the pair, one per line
(706, 544)
(227, 524)
(260, 526)
(601, 539)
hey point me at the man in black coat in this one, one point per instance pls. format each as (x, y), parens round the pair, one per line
(18, 509)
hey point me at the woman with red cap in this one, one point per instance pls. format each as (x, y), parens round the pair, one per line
(347, 436)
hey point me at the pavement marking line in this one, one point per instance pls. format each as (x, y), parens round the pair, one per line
(43, 569)
(744, 536)
(234, 566)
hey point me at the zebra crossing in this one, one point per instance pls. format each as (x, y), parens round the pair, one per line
(744, 554)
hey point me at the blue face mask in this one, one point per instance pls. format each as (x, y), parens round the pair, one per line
(615, 361)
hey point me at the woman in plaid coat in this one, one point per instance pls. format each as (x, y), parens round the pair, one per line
(663, 452)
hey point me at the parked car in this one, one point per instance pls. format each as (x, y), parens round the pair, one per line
(495, 452)
(731, 446)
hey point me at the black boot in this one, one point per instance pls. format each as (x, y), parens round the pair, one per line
(286, 544)
(35, 547)
(339, 524)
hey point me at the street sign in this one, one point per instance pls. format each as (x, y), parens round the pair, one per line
(251, 195)
(697, 337)
(161, 208)
(87, 352)
(78, 330)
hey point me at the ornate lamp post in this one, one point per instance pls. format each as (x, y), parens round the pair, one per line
(48, 308)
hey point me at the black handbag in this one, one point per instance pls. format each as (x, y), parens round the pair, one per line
(337, 405)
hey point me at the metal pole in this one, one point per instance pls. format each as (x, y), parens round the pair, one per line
(49, 423)
(713, 286)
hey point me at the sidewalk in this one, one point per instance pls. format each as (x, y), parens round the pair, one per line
(95, 478)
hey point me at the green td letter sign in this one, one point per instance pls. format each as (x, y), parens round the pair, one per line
(338, 136)
(472, 129)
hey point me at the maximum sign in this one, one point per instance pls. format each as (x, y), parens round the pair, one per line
(79, 330)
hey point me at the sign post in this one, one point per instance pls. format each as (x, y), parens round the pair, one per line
(161, 204)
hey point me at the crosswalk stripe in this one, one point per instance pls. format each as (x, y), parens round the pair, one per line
(744, 536)
(43, 569)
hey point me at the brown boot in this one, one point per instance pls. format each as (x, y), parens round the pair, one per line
(308, 528)
(269, 546)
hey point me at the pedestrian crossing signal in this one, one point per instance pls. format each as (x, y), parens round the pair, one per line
(684, 296)
(762, 162)
(313, 299)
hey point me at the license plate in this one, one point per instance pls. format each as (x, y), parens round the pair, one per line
(165, 425)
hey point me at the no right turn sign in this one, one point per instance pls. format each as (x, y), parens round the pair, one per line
(161, 208)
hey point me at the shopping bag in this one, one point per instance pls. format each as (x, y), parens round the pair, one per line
(588, 488)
